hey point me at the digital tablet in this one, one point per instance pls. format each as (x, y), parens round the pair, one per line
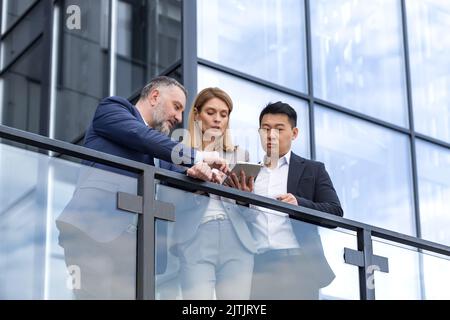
(250, 169)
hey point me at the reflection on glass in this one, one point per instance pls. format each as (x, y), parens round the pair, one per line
(345, 284)
(21, 99)
(433, 170)
(83, 69)
(413, 274)
(370, 167)
(23, 34)
(264, 38)
(249, 99)
(61, 235)
(436, 276)
(204, 256)
(148, 41)
(403, 279)
(358, 57)
(14, 10)
(429, 44)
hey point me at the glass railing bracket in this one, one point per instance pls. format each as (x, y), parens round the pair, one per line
(129, 202)
(356, 258)
(164, 210)
(132, 203)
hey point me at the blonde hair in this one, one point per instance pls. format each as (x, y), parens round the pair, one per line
(202, 98)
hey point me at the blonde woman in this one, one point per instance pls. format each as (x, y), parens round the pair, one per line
(211, 237)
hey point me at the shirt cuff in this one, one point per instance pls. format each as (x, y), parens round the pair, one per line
(198, 157)
(202, 155)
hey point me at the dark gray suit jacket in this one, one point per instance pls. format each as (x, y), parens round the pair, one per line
(118, 129)
(310, 183)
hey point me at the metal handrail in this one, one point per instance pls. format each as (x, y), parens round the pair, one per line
(295, 212)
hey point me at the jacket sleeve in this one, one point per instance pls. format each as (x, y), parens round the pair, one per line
(325, 197)
(114, 122)
(172, 167)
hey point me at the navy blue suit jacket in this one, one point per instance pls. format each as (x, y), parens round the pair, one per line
(118, 129)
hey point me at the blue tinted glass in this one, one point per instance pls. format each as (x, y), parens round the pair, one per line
(370, 167)
(433, 170)
(249, 99)
(412, 274)
(429, 45)
(264, 38)
(403, 281)
(61, 233)
(358, 57)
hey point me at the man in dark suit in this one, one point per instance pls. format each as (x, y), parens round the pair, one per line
(291, 262)
(98, 239)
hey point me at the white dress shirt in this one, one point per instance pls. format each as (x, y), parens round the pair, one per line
(155, 160)
(273, 229)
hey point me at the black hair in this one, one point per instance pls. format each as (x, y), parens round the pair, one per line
(280, 108)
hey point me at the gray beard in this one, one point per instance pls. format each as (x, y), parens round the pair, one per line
(163, 128)
(159, 121)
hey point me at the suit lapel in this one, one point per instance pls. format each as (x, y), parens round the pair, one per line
(296, 168)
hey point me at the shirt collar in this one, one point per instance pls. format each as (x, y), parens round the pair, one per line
(143, 119)
(286, 159)
(140, 115)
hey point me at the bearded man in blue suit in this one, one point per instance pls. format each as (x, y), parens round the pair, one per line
(98, 239)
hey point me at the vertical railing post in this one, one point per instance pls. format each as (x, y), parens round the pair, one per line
(366, 280)
(146, 240)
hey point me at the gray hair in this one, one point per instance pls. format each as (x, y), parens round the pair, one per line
(158, 82)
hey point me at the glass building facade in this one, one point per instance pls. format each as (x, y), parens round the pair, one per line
(369, 80)
(370, 84)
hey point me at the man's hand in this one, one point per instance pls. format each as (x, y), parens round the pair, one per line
(214, 161)
(288, 198)
(200, 171)
(244, 184)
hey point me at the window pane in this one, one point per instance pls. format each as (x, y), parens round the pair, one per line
(21, 86)
(29, 29)
(61, 234)
(14, 10)
(370, 168)
(433, 165)
(248, 100)
(403, 281)
(412, 274)
(429, 45)
(264, 38)
(148, 41)
(83, 69)
(358, 57)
